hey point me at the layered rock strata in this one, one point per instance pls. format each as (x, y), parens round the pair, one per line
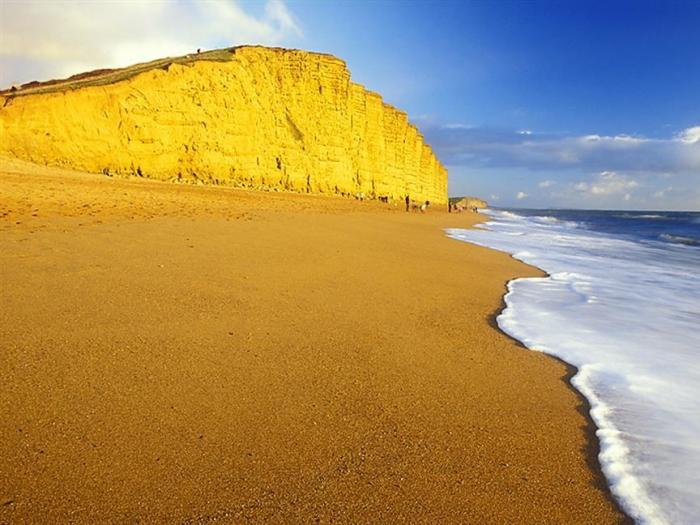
(261, 118)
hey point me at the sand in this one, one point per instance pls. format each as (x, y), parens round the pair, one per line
(180, 354)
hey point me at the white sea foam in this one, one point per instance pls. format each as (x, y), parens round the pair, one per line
(688, 241)
(626, 314)
(642, 216)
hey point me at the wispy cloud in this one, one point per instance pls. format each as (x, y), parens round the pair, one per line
(690, 135)
(592, 170)
(612, 189)
(41, 40)
(608, 183)
(660, 194)
(487, 147)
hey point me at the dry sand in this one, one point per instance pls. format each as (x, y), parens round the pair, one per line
(199, 354)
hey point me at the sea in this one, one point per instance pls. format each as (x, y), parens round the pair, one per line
(621, 302)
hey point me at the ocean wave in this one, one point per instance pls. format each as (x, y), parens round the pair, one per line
(608, 307)
(615, 459)
(547, 219)
(503, 213)
(642, 216)
(679, 239)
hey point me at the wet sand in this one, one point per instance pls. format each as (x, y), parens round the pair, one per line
(179, 354)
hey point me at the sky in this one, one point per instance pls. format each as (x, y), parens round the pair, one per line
(537, 104)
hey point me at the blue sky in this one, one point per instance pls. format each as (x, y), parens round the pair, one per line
(530, 104)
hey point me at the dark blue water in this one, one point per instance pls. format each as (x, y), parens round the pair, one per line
(663, 226)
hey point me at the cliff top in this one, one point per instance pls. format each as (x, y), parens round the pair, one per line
(101, 77)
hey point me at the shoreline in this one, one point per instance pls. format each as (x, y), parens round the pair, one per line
(190, 354)
(593, 448)
(574, 315)
(584, 408)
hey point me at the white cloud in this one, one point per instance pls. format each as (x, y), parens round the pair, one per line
(41, 40)
(521, 195)
(490, 148)
(457, 125)
(662, 193)
(608, 183)
(628, 139)
(622, 164)
(690, 135)
(277, 11)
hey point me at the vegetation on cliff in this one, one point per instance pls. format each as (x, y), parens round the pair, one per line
(248, 116)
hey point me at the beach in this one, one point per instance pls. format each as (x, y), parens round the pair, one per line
(195, 354)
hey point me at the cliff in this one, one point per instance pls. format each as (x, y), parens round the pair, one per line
(248, 116)
(468, 203)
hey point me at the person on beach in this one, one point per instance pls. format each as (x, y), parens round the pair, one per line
(420, 207)
(408, 203)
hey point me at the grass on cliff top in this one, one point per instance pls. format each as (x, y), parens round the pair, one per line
(102, 77)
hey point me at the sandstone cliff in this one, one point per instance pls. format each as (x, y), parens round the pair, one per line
(248, 116)
(468, 203)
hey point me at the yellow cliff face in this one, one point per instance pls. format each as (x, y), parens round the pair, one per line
(265, 118)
